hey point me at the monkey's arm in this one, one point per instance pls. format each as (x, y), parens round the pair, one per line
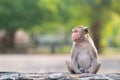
(75, 64)
(94, 64)
(74, 61)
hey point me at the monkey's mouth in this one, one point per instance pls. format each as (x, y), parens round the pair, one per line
(74, 39)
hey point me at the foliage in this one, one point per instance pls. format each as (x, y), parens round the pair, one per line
(49, 16)
(19, 13)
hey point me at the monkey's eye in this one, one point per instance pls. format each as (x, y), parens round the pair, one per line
(75, 31)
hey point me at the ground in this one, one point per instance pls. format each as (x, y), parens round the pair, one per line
(50, 63)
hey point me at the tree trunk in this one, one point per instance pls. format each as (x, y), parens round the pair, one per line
(53, 48)
(8, 41)
(96, 34)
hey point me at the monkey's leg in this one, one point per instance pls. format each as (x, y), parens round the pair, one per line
(97, 67)
(69, 66)
(94, 67)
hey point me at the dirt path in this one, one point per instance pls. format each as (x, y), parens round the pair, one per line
(49, 63)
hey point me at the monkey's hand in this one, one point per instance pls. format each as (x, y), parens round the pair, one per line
(86, 71)
(82, 70)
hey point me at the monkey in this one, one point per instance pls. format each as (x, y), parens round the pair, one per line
(84, 55)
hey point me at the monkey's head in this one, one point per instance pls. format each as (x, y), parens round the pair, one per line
(79, 32)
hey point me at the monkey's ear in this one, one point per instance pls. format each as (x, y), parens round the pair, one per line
(86, 30)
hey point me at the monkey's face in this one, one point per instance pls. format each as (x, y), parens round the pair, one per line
(78, 33)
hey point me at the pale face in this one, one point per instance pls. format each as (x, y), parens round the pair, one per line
(76, 34)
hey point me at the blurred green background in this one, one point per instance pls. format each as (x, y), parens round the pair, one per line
(44, 26)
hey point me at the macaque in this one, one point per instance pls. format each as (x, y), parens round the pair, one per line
(83, 52)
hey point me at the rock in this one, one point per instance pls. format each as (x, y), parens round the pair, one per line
(57, 76)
